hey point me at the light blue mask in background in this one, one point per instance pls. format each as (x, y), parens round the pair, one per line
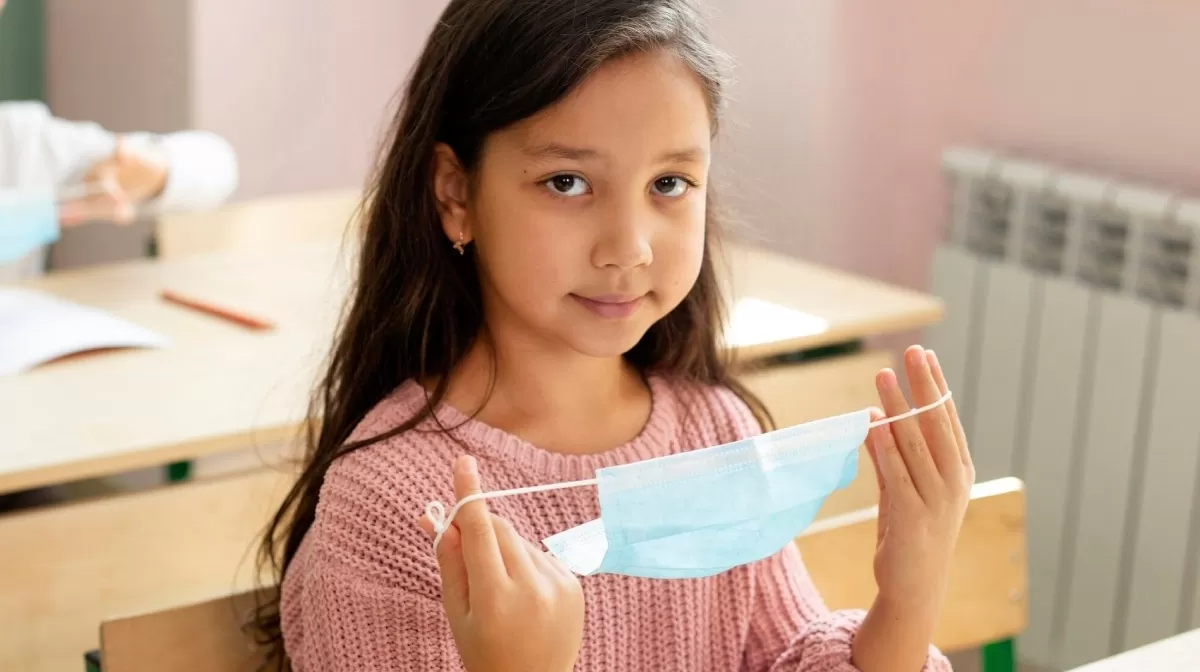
(28, 220)
(704, 512)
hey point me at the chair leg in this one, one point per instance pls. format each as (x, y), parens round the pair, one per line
(999, 656)
(179, 471)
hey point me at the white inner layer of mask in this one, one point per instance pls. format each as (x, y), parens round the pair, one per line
(580, 548)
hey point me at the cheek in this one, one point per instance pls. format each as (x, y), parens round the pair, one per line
(526, 252)
(678, 255)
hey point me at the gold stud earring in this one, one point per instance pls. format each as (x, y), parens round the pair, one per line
(461, 246)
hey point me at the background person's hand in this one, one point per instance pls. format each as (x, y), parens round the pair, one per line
(120, 183)
(512, 607)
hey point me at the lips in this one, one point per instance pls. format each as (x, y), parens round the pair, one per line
(610, 306)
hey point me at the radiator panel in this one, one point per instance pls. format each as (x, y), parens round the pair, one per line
(956, 280)
(1110, 434)
(1161, 532)
(1061, 344)
(1072, 341)
(998, 391)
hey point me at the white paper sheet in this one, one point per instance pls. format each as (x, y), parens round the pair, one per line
(36, 328)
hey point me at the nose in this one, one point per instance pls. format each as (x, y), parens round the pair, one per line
(624, 241)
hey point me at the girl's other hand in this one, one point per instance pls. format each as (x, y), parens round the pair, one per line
(511, 606)
(925, 475)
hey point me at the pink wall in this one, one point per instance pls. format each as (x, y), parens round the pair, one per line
(1103, 85)
(300, 87)
(121, 63)
(830, 150)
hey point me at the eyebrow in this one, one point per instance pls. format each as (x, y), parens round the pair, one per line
(689, 155)
(554, 150)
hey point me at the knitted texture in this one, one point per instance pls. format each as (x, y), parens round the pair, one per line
(364, 591)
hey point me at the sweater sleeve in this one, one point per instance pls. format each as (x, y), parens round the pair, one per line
(793, 631)
(364, 594)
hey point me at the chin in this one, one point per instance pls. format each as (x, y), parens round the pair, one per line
(606, 343)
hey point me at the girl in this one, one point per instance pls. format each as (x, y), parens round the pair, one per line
(536, 299)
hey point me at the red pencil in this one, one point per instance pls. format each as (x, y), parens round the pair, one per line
(216, 311)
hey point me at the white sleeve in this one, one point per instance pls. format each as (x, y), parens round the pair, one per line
(202, 170)
(40, 150)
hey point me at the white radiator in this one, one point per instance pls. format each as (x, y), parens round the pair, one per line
(1072, 339)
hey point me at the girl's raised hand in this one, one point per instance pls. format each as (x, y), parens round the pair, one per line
(511, 606)
(925, 475)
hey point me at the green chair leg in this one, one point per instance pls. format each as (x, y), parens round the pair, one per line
(1000, 656)
(179, 471)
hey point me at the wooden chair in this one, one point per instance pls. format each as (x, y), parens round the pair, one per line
(204, 637)
(259, 224)
(66, 568)
(986, 599)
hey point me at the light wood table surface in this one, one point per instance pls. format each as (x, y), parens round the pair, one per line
(222, 387)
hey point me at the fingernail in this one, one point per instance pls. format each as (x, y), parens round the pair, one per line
(472, 467)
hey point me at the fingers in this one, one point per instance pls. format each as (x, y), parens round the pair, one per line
(71, 214)
(455, 592)
(876, 415)
(121, 154)
(550, 565)
(110, 203)
(951, 410)
(480, 548)
(514, 550)
(114, 204)
(935, 423)
(906, 433)
(890, 469)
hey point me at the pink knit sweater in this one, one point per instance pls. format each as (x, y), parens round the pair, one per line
(363, 593)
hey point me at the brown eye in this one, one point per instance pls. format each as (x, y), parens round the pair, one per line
(671, 186)
(567, 185)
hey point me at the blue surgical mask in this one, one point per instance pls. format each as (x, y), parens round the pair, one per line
(28, 221)
(707, 511)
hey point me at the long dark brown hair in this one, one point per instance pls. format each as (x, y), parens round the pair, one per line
(415, 308)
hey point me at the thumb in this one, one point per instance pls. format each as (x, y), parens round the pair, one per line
(455, 596)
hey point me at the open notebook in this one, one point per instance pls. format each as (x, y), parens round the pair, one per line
(36, 328)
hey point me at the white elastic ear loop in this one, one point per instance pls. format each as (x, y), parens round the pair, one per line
(908, 414)
(441, 520)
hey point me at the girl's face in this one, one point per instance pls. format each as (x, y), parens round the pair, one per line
(588, 218)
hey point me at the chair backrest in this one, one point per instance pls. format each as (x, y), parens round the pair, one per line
(204, 637)
(986, 598)
(259, 224)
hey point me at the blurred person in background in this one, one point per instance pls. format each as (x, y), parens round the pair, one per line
(57, 174)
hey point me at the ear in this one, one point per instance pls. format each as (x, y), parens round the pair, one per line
(450, 184)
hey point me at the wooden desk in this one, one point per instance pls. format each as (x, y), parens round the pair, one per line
(1180, 653)
(221, 387)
